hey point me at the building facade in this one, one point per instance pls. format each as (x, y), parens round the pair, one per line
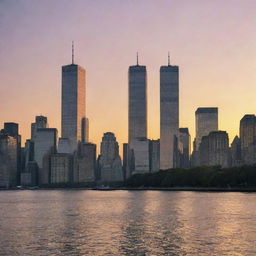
(73, 120)
(110, 164)
(248, 139)
(206, 122)
(169, 114)
(214, 149)
(85, 163)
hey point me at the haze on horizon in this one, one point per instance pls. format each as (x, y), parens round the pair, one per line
(213, 43)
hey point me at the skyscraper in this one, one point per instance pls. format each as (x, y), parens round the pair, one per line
(137, 102)
(206, 122)
(169, 113)
(248, 138)
(138, 142)
(73, 120)
(110, 164)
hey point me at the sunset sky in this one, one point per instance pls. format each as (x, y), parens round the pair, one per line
(213, 43)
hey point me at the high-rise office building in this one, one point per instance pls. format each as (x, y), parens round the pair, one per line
(184, 139)
(40, 122)
(137, 119)
(169, 113)
(8, 161)
(137, 102)
(73, 120)
(206, 122)
(110, 164)
(214, 149)
(248, 138)
(44, 142)
(85, 163)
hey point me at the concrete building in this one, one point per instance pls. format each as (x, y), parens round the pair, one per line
(61, 168)
(29, 177)
(214, 149)
(110, 165)
(12, 129)
(206, 122)
(73, 119)
(137, 102)
(85, 128)
(40, 122)
(139, 150)
(235, 150)
(8, 161)
(126, 161)
(137, 119)
(64, 146)
(45, 143)
(85, 163)
(248, 138)
(169, 113)
(154, 155)
(184, 139)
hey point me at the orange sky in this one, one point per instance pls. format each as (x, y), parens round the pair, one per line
(213, 43)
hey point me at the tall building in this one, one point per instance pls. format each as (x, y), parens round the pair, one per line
(154, 155)
(137, 119)
(110, 164)
(12, 129)
(85, 163)
(45, 143)
(184, 139)
(214, 149)
(61, 168)
(8, 161)
(169, 113)
(137, 102)
(236, 157)
(248, 138)
(73, 120)
(206, 122)
(40, 122)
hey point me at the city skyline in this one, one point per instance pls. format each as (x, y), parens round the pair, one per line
(212, 69)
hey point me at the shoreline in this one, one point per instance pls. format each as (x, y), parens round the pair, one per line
(191, 189)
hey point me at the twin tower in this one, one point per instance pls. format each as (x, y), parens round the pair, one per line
(169, 111)
(74, 124)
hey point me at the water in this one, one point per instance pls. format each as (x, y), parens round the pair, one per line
(77, 222)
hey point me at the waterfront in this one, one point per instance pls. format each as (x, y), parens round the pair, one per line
(79, 222)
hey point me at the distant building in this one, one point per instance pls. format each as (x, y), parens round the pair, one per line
(127, 161)
(169, 114)
(85, 163)
(8, 161)
(61, 168)
(154, 155)
(235, 150)
(64, 146)
(214, 149)
(137, 119)
(29, 151)
(206, 122)
(110, 165)
(139, 150)
(29, 177)
(73, 119)
(40, 122)
(12, 129)
(248, 139)
(45, 143)
(184, 139)
(85, 129)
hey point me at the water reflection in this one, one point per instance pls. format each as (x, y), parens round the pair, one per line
(127, 223)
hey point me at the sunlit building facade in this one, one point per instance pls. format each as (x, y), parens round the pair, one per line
(169, 114)
(73, 120)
